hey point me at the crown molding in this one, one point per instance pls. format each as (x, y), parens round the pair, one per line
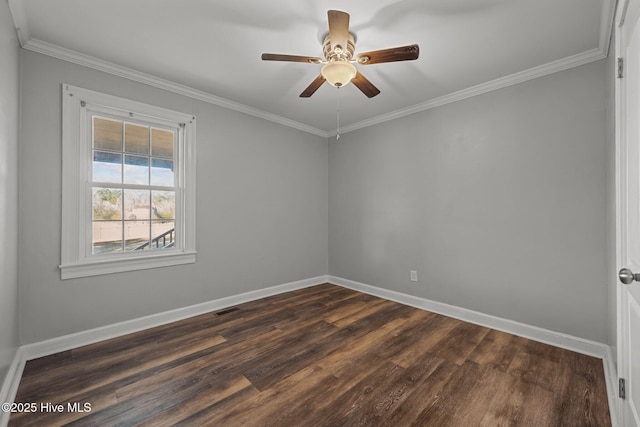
(502, 82)
(18, 13)
(607, 17)
(607, 21)
(72, 56)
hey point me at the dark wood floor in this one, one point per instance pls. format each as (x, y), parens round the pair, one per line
(321, 356)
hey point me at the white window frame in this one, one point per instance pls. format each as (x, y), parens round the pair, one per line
(78, 105)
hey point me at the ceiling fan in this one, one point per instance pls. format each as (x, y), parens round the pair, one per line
(339, 68)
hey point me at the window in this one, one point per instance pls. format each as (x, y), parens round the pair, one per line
(128, 185)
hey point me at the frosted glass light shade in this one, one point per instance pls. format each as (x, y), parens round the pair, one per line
(339, 73)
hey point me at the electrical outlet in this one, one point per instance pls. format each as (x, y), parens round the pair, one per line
(414, 275)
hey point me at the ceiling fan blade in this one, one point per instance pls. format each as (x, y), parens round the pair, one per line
(290, 58)
(313, 87)
(402, 53)
(338, 29)
(365, 85)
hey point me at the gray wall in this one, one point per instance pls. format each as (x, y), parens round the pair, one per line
(497, 201)
(9, 83)
(261, 209)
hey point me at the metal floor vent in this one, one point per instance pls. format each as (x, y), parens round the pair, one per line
(228, 310)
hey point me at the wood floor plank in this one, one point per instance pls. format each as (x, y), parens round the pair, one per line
(405, 335)
(254, 410)
(472, 413)
(315, 400)
(320, 356)
(435, 332)
(518, 403)
(462, 341)
(208, 415)
(363, 313)
(308, 351)
(539, 370)
(282, 362)
(358, 350)
(349, 403)
(579, 393)
(356, 310)
(89, 377)
(181, 410)
(380, 403)
(497, 349)
(100, 398)
(422, 396)
(441, 409)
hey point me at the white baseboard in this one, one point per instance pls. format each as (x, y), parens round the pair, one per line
(558, 339)
(67, 342)
(79, 339)
(11, 383)
(535, 333)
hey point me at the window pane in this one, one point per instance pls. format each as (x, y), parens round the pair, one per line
(163, 204)
(107, 204)
(136, 205)
(136, 170)
(163, 234)
(162, 172)
(107, 237)
(107, 167)
(136, 139)
(107, 134)
(162, 143)
(136, 235)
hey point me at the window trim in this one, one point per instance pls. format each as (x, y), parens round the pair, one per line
(76, 222)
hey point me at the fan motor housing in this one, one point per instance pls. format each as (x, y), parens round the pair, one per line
(345, 54)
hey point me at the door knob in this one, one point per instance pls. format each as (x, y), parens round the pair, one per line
(627, 276)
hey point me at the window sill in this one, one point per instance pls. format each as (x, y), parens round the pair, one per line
(119, 265)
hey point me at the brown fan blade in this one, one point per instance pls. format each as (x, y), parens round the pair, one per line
(338, 29)
(365, 85)
(403, 53)
(313, 87)
(290, 58)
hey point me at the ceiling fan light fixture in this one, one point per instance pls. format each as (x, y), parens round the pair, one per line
(338, 48)
(339, 73)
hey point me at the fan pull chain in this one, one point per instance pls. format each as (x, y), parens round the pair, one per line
(338, 113)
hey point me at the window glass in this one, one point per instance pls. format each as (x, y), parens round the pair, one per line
(136, 170)
(126, 166)
(132, 219)
(163, 204)
(107, 134)
(107, 220)
(162, 143)
(136, 138)
(107, 167)
(136, 205)
(162, 172)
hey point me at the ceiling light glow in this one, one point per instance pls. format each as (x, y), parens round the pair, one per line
(339, 73)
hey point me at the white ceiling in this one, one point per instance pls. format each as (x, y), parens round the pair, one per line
(210, 49)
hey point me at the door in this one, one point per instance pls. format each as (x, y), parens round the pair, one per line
(628, 209)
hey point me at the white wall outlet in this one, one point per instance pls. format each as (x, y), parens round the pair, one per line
(414, 275)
